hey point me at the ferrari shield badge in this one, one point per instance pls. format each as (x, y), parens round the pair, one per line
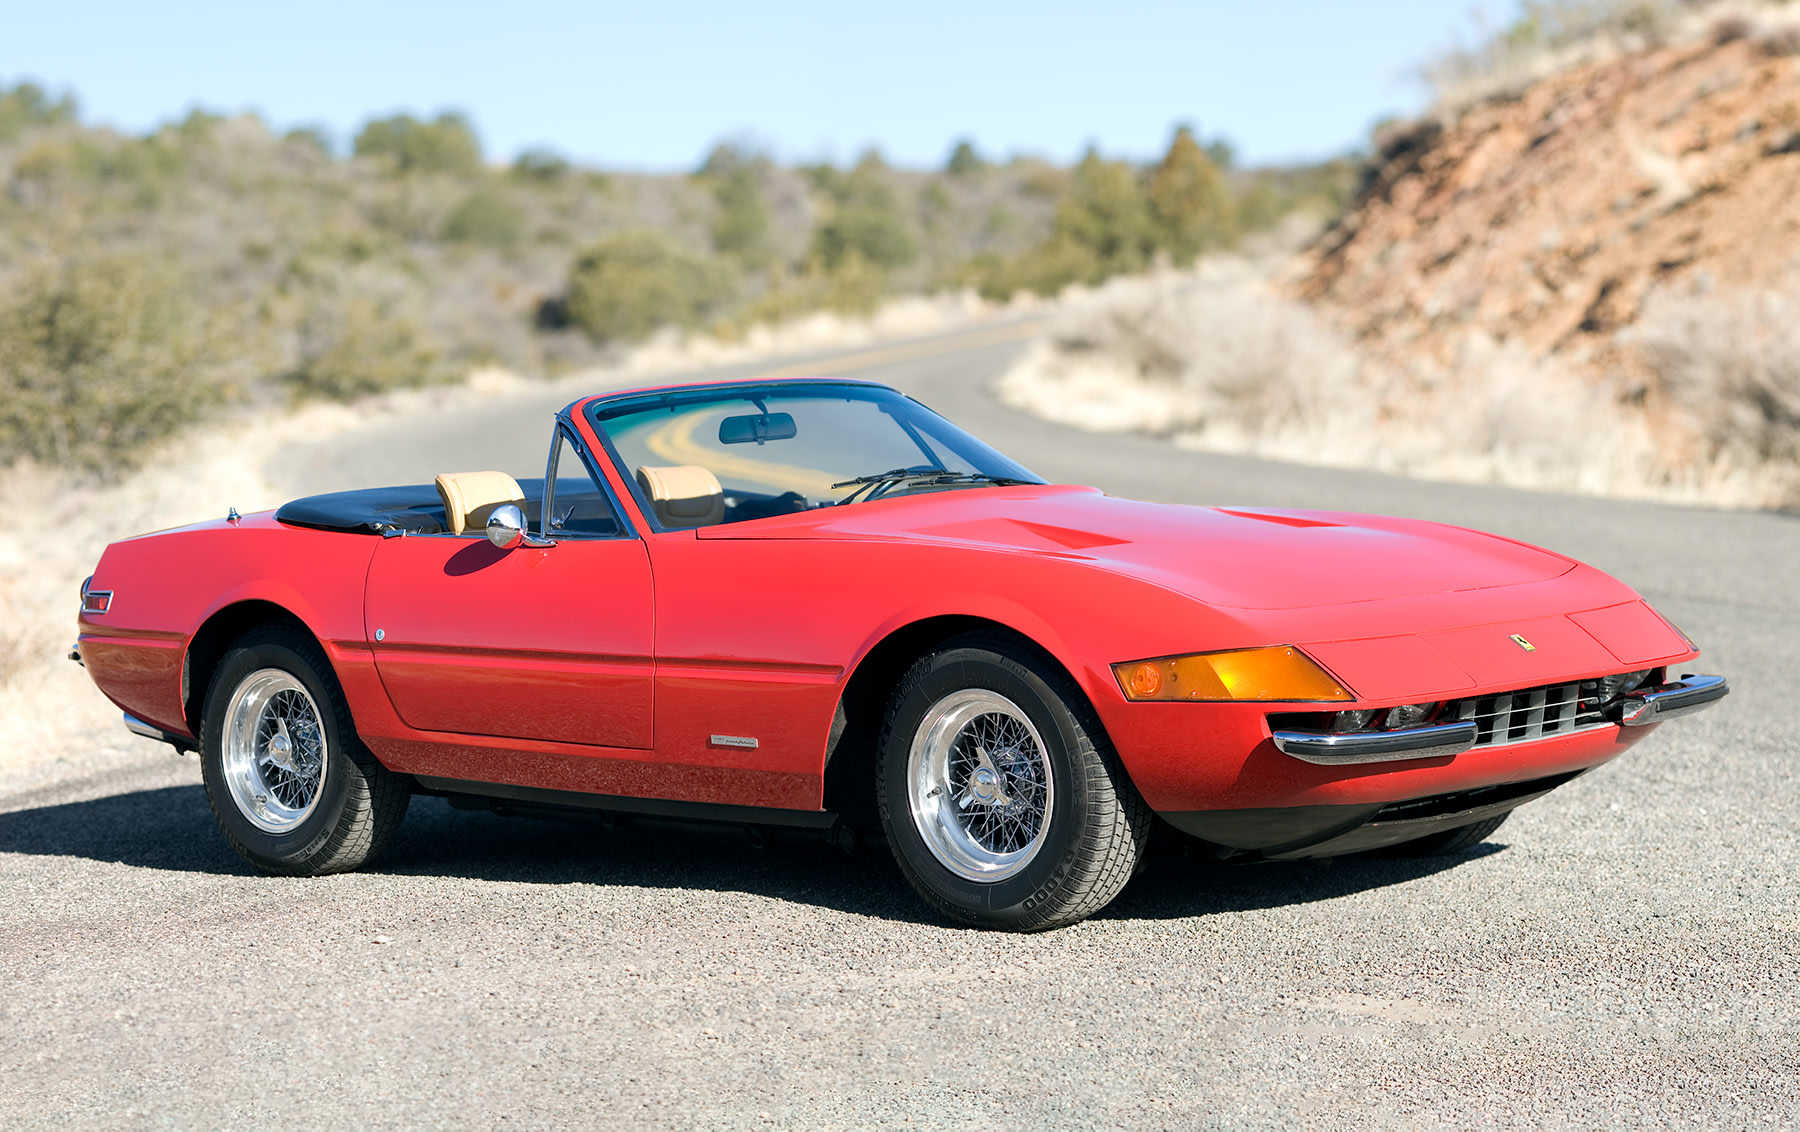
(1523, 643)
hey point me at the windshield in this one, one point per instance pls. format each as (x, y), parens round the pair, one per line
(707, 456)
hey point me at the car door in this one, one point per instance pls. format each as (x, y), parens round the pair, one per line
(548, 643)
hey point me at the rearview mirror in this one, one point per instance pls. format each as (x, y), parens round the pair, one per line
(758, 427)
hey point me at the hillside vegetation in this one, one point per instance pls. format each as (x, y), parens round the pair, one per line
(145, 280)
(1578, 272)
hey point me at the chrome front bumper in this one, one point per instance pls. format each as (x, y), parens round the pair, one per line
(1666, 701)
(1329, 748)
(1445, 740)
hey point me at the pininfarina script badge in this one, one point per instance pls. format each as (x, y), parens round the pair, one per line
(1523, 643)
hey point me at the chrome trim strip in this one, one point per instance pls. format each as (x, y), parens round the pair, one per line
(1667, 701)
(1334, 748)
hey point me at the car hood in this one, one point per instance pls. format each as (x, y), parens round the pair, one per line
(1234, 557)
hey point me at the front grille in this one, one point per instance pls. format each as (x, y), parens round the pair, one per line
(1529, 713)
(1518, 716)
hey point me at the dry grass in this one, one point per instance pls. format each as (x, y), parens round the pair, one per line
(1554, 35)
(1218, 360)
(1729, 364)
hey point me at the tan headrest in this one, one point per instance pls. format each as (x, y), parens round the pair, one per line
(470, 497)
(683, 495)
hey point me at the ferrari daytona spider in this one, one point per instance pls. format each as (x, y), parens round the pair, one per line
(816, 604)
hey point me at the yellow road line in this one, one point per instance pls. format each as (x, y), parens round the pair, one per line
(841, 363)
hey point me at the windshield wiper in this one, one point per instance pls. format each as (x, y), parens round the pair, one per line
(969, 477)
(926, 476)
(869, 482)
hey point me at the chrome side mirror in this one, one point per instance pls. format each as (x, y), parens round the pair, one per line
(506, 528)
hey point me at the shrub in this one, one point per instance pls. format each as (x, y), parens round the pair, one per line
(853, 287)
(445, 145)
(1043, 270)
(1190, 206)
(634, 282)
(742, 227)
(316, 138)
(867, 220)
(485, 217)
(99, 358)
(544, 165)
(1104, 216)
(26, 105)
(1732, 363)
(354, 345)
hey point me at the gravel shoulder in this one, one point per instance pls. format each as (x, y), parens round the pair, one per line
(1625, 951)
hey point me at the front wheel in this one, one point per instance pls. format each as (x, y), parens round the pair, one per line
(293, 789)
(1003, 802)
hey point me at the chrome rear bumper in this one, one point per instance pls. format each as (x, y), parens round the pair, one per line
(150, 731)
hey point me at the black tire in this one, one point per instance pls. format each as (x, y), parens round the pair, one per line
(1091, 825)
(1446, 842)
(356, 805)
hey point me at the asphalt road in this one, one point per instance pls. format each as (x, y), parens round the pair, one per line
(1624, 952)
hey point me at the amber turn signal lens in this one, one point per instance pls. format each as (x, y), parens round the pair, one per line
(1146, 681)
(1282, 673)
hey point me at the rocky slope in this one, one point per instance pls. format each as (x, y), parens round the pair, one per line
(1628, 219)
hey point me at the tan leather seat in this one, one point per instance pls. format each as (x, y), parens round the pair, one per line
(470, 497)
(683, 495)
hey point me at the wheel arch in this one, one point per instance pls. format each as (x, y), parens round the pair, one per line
(849, 787)
(215, 636)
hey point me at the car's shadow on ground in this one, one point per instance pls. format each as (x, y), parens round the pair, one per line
(172, 828)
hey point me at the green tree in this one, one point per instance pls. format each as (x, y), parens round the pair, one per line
(632, 283)
(1102, 228)
(867, 221)
(1190, 205)
(27, 105)
(1104, 215)
(965, 160)
(742, 228)
(446, 144)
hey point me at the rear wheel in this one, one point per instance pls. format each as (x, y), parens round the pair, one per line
(1002, 800)
(1450, 840)
(293, 789)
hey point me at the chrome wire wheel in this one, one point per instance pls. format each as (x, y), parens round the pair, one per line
(980, 785)
(274, 755)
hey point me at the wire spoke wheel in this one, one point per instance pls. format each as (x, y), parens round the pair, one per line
(274, 750)
(981, 786)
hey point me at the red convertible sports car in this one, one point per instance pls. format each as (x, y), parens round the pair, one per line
(817, 604)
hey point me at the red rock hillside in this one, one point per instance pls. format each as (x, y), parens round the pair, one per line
(1545, 219)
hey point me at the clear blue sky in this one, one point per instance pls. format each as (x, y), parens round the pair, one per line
(652, 84)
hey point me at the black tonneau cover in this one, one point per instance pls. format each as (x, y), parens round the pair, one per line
(415, 508)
